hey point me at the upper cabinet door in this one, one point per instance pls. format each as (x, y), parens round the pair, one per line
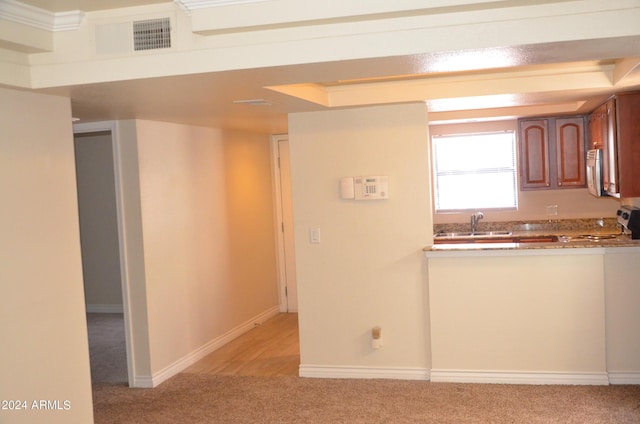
(552, 160)
(534, 154)
(598, 127)
(570, 152)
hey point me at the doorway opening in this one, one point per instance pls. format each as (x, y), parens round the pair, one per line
(103, 262)
(287, 284)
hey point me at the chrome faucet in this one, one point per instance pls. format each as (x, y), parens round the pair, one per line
(474, 221)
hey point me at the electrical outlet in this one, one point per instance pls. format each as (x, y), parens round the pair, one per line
(552, 210)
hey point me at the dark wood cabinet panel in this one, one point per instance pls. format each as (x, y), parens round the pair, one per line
(626, 153)
(534, 154)
(598, 128)
(552, 153)
(614, 127)
(570, 152)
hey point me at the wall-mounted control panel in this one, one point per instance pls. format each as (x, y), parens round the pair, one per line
(375, 187)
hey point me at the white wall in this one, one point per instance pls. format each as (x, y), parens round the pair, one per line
(572, 203)
(44, 354)
(98, 221)
(207, 225)
(368, 269)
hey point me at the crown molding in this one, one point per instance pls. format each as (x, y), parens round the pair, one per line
(191, 5)
(15, 11)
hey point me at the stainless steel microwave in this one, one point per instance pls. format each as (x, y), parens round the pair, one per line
(594, 172)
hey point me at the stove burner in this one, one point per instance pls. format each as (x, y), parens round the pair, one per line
(589, 237)
(601, 237)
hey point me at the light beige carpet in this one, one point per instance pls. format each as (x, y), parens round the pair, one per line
(198, 398)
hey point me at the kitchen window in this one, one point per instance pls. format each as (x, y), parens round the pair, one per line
(475, 171)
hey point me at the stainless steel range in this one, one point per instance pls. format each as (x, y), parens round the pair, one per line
(629, 219)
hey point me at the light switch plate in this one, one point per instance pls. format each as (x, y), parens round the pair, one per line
(314, 235)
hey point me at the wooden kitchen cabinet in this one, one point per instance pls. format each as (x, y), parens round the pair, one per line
(552, 159)
(601, 125)
(534, 154)
(570, 152)
(614, 127)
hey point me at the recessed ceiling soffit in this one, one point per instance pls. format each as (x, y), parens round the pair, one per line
(492, 88)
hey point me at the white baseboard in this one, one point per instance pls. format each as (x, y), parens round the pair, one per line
(326, 371)
(141, 382)
(624, 377)
(501, 377)
(193, 357)
(104, 309)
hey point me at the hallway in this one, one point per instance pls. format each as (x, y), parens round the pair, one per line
(270, 349)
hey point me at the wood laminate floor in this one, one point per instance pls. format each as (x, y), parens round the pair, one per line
(270, 349)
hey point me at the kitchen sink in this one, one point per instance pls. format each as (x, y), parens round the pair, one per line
(476, 234)
(491, 233)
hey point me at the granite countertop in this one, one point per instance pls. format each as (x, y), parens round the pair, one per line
(622, 241)
(571, 233)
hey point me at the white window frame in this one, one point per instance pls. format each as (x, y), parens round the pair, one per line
(485, 171)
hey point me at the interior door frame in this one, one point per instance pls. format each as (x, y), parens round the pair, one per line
(279, 224)
(112, 127)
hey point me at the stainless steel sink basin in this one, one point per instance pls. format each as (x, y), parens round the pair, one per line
(476, 234)
(449, 235)
(492, 233)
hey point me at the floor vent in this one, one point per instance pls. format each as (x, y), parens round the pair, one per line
(152, 34)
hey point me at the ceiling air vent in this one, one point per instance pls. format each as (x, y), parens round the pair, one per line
(152, 34)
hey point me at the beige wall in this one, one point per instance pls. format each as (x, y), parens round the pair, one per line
(98, 221)
(533, 314)
(251, 224)
(126, 145)
(622, 294)
(572, 203)
(44, 354)
(207, 224)
(368, 269)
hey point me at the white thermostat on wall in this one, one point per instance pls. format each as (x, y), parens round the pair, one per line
(365, 188)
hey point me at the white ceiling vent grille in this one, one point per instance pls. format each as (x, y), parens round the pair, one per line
(152, 34)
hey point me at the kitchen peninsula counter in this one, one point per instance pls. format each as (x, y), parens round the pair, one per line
(571, 236)
(535, 313)
(562, 247)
